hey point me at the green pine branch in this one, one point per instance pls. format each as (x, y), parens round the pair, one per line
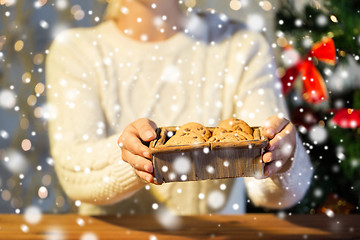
(343, 26)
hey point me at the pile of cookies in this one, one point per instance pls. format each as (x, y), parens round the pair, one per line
(232, 130)
(190, 133)
(229, 130)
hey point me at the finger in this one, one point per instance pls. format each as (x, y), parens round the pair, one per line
(279, 154)
(267, 157)
(274, 125)
(145, 176)
(129, 141)
(273, 167)
(275, 155)
(283, 139)
(277, 166)
(137, 162)
(145, 129)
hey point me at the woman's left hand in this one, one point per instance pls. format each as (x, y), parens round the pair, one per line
(282, 143)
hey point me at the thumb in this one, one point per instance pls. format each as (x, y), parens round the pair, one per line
(146, 129)
(274, 125)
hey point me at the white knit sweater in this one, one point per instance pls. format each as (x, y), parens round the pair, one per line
(99, 81)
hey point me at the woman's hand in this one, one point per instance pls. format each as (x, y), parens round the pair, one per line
(134, 151)
(281, 148)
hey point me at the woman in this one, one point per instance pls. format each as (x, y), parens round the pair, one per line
(151, 61)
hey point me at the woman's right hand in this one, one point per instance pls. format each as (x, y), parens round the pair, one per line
(134, 151)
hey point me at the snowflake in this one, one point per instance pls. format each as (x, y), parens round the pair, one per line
(171, 73)
(152, 237)
(88, 236)
(290, 57)
(255, 22)
(32, 215)
(24, 228)
(286, 149)
(317, 134)
(7, 98)
(168, 219)
(15, 161)
(80, 222)
(44, 24)
(206, 150)
(201, 196)
(210, 169)
(4, 134)
(158, 22)
(164, 168)
(78, 203)
(318, 192)
(321, 20)
(216, 199)
(155, 206)
(61, 4)
(235, 206)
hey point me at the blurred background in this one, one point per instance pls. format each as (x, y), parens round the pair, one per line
(325, 111)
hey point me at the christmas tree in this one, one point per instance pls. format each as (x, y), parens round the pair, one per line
(323, 99)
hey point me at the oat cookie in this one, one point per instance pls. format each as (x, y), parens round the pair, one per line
(232, 124)
(226, 137)
(219, 131)
(184, 139)
(245, 135)
(196, 128)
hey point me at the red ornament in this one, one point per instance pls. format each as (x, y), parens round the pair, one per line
(314, 87)
(334, 204)
(347, 118)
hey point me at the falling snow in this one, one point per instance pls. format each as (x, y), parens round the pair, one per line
(318, 134)
(14, 161)
(216, 199)
(26, 162)
(255, 22)
(88, 236)
(182, 165)
(7, 98)
(168, 219)
(32, 215)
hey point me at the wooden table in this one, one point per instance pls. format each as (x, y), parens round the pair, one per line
(248, 226)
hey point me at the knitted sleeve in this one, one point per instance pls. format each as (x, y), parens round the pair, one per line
(258, 97)
(87, 159)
